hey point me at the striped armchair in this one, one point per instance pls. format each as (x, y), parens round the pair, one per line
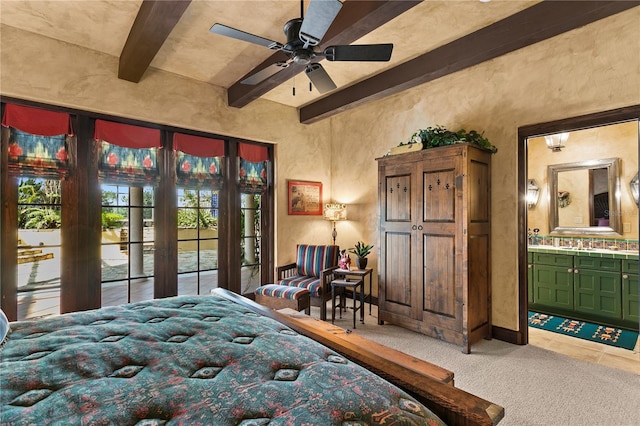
(313, 270)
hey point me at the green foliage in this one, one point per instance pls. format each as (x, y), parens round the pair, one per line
(35, 200)
(111, 220)
(361, 249)
(433, 137)
(41, 218)
(193, 218)
(196, 211)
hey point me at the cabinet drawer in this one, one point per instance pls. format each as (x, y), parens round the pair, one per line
(529, 257)
(598, 263)
(630, 266)
(552, 259)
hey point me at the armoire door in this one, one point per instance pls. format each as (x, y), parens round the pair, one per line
(397, 239)
(439, 249)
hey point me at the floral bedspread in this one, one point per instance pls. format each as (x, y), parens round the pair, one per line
(187, 360)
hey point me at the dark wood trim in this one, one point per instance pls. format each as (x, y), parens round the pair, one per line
(229, 252)
(9, 238)
(81, 231)
(506, 335)
(356, 19)
(165, 280)
(619, 115)
(153, 24)
(267, 217)
(534, 24)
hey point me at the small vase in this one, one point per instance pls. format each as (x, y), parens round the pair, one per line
(361, 262)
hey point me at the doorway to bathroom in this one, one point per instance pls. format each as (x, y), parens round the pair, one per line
(557, 211)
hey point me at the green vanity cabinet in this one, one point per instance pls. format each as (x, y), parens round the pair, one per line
(597, 286)
(552, 281)
(585, 286)
(630, 284)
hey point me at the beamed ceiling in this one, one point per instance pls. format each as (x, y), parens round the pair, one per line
(431, 39)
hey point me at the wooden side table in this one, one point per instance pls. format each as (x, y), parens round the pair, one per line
(362, 274)
(355, 284)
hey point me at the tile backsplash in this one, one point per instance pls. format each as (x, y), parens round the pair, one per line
(587, 242)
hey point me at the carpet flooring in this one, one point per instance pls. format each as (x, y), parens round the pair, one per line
(536, 387)
(611, 336)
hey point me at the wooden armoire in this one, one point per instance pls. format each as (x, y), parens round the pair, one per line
(435, 249)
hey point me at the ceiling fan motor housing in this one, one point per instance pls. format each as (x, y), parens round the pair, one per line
(295, 46)
(292, 31)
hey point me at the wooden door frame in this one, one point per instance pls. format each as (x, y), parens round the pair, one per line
(614, 116)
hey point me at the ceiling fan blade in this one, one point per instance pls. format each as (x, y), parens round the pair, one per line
(359, 52)
(265, 73)
(320, 16)
(244, 36)
(320, 78)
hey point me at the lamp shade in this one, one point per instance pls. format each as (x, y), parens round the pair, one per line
(335, 211)
(557, 141)
(533, 193)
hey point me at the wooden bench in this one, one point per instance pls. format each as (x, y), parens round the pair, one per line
(277, 296)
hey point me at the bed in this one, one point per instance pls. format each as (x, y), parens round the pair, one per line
(211, 360)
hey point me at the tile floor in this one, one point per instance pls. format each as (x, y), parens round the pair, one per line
(586, 350)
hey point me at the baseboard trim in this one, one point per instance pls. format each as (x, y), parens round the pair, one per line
(506, 335)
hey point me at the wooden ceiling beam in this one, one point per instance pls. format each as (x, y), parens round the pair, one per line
(534, 24)
(154, 22)
(355, 20)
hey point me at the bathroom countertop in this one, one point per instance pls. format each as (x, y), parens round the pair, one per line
(611, 254)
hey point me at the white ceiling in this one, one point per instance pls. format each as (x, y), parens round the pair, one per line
(193, 52)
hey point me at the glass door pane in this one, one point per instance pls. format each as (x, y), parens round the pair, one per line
(39, 247)
(128, 236)
(250, 242)
(197, 241)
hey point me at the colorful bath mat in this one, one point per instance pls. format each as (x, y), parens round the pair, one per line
(584, 330)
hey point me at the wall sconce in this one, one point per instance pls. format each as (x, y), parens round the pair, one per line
(533, 193)
(634, 189)
(335, 212)
(556, 142)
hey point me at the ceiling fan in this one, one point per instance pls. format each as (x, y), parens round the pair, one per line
(303, 34)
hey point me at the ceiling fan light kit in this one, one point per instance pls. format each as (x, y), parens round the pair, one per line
(303, 34)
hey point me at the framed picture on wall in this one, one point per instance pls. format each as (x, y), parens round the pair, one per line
(304, 198)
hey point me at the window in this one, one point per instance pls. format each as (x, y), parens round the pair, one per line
(139, 217)
(128, 170)
(200, 178)
(38, 161)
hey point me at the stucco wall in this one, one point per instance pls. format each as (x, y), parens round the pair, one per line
(591, 69)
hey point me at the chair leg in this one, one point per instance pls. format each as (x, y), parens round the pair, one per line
(323, 309)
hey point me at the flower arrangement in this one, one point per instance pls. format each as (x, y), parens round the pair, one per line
(433, 137)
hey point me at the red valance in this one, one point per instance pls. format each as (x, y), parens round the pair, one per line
(198, 146)
(253, 153)
(37, 121)
(126, 135)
